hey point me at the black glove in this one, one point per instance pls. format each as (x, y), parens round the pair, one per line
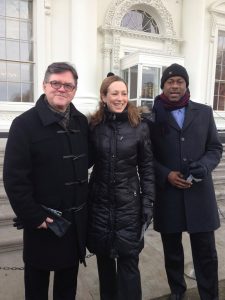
(198, 170)
(17, 223)
(148, 217)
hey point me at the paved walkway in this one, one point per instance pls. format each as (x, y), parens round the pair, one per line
(154, 282)
(192, 294)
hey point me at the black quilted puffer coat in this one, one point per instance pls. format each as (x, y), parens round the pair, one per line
(121, 186)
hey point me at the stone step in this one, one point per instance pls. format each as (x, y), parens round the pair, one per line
(219, 171)
(6, 214)
(11, 239)
(219, 176)
(220, 195)
(221, 164)
(2, 192)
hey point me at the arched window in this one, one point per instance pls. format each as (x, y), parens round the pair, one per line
(140, 20)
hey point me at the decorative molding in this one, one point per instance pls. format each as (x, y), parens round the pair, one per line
(106, 52)
(171, 47)
(113, 32)
(118, 9)
(116, 52)
(137, 34)
(217, 12)
(47, 6)
(217, 7)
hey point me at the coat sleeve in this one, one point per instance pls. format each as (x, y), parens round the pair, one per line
(17, 176)
(146, 171)
(91, 151)
(213, 147)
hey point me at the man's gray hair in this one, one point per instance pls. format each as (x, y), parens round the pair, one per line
(60, 67)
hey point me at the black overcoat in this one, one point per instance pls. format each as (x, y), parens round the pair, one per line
(194, 209)
(121, 186)
(45, 164)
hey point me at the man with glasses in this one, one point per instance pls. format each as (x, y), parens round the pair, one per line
(45, 177)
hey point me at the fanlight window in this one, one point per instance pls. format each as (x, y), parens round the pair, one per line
(140, 20)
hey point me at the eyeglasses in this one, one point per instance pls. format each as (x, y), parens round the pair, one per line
(57, 85)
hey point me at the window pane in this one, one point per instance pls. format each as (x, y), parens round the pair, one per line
(2, 7)
(125, 75)
(12, 29)
(12, 8)
(3, 91)
(223, 73)
(139, 20)
(150, 82)
(13, 71)
(26, 72)
(219, 57)
(14, 92)
(2, 27)
(12, 51)
(220, 43)
(26, 52)
(25, 31)
(218, 71)
(24, 10)
(2, 71)
(221, 103)
(27, 92)
(223, 58)
(2, 49)
(133, 81)
(222, 89)
(147, 103)
(216, 88)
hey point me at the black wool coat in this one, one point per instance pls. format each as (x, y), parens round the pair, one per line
(194, 209)
(121, 186)
(44, 164)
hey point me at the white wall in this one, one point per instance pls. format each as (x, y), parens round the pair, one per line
(68, 30)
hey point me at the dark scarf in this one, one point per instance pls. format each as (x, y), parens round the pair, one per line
(112, 116)
(64, 117)
(162, 104)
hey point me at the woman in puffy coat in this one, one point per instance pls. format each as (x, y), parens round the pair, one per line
(121, 191)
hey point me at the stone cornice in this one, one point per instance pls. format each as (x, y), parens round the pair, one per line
(125, 32)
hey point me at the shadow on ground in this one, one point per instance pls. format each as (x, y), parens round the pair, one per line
(192, 294)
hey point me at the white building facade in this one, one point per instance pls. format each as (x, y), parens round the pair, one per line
(135, 39)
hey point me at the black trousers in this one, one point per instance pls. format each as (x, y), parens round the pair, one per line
(37, 283)
(204, 258)
(119, 278)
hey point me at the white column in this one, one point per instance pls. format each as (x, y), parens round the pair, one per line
(84, 52)
(193, 22)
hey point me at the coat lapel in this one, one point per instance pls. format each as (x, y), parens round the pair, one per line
(190, 114)
(172, 122)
